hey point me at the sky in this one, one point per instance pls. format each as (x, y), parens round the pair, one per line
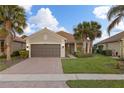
(66, 17)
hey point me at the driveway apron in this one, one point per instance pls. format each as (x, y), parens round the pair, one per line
(36, 66)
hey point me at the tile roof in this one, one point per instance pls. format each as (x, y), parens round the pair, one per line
(70, 38)
(114, 38)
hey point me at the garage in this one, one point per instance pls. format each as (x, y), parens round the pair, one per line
(45, 50)
(45, 43)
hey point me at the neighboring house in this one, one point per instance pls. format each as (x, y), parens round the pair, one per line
(47, 43)
(17, 44)
(114, 43)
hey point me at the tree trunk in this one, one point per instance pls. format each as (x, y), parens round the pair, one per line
(8, 47)
(84, 46)
(8, 40)
(91, 46)
(88, 46)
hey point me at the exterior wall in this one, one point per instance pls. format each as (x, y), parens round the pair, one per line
(46, 37)
(105, 46)
(15, 46)
(18, 46)
(114, 46)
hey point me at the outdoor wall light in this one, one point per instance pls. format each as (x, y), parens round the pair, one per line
(63, 45)
(27, 46)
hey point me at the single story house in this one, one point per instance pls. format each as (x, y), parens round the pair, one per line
(47, 43)
(17, 44)
(114, 43)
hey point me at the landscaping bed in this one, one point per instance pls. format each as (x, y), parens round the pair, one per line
(6, 64)
(95, 83)
(95, 64)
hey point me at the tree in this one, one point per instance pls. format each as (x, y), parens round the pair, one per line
(81, 33)
(87, 32)
(115, 15)
(13, 20)
(94, 32)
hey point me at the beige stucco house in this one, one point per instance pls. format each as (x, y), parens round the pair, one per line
(47, 43)
(114, 43)
(17, 44)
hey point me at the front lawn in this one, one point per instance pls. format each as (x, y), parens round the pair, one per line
(96, 83)
(4, 64)
(95, 64)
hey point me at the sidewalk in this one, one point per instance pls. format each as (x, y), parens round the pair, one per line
(59, 77)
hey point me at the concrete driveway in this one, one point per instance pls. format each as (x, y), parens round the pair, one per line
(36, 66)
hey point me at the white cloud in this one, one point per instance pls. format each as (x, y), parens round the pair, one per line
(27, 8)
(27, 29)
(101, 11)
(44, 18)
(120, 26)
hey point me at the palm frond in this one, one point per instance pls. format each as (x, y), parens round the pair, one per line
(16, 15)
(114, 11)
(114, 23)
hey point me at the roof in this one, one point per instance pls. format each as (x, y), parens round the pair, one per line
(114, 38)
(45, 30)
(17, 39)
(70, 38)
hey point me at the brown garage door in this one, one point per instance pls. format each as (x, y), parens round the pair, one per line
(45, 50)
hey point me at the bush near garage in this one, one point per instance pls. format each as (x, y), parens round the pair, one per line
(24, 53)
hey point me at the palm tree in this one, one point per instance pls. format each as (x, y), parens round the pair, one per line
(115, 15)
(94, 33)
(81, 33)
(87, 32)
(13, 20)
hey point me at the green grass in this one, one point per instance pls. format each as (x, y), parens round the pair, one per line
(95, 64)
(95, 83)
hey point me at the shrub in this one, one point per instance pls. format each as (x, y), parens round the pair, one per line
(94, 50)
(81, 55)
(104, 52)
(24, 53)
(100, 49)
(107, 52)
(3, 56)
(15, 53)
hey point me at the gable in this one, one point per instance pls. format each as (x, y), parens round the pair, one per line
(45, 35)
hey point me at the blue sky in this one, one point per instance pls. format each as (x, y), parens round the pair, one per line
(63, 17)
